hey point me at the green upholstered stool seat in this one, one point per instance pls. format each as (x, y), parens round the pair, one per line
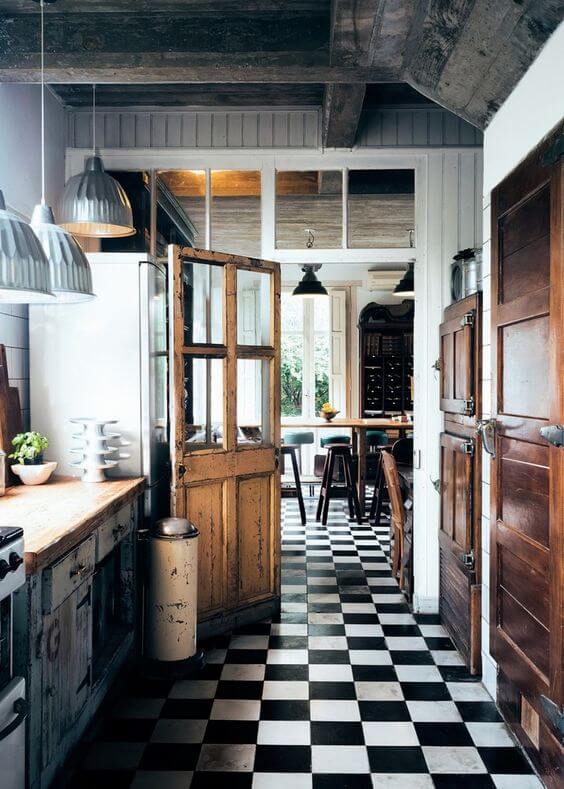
(376, 438)
(336, 438)
(298, 437)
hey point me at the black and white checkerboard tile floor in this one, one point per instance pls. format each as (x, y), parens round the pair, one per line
(347, 690)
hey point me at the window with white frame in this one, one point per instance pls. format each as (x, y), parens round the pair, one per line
(313, 354)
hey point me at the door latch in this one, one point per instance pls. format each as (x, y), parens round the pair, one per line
(437, 365)
(554, 434)
(468, 319)
(468, 559)
(554, 715)
(467, 447)
(468, 406)
(436, 484)
(486, 429)
(181, 471)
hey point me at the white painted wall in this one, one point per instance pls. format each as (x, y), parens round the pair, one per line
(535, 106)
(20, 180)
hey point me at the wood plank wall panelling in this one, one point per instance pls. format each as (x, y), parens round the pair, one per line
(187, 128)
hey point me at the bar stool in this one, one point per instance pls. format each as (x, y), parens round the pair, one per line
(342, 453)
(287, 491)
(298, 439)
(319, 460)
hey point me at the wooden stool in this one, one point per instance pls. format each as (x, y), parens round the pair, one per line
(287, 492)
(379, 496)
(328, 487)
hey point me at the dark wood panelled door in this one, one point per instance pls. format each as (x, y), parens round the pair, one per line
(527, 480)
(459, 599)
(459, 534)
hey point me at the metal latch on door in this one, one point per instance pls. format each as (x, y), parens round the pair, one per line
(554, 434)
(468, 559)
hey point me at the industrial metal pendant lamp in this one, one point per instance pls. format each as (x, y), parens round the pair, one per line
(405, 288)
(94, 204)
(69, 269)
(309, 286)
(24, 269)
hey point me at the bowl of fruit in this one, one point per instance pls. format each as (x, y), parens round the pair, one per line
(328, 412)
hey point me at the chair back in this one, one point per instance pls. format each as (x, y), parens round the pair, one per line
(394, 489)
(402, 451)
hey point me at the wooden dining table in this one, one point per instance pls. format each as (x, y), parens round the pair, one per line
(358, 426)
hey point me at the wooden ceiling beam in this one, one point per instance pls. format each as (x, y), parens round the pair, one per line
(468, 55)
(363, 33)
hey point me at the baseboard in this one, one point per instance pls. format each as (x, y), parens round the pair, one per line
(425, 604)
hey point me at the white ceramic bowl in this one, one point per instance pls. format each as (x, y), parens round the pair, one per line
(35, 475)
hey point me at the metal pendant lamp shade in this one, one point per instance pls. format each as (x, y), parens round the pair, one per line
(309, 286)
(24, 268)
(71, 277)
(95, 204)
(405, 288)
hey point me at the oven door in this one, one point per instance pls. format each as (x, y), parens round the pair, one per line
(13, 712)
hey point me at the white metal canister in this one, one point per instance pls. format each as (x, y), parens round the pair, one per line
(172, 595)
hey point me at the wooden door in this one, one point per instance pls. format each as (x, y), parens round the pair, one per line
(460, 478)
(459, 597)
(225, 417)
(528, 471)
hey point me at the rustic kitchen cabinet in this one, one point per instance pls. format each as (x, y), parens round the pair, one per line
(74, 621)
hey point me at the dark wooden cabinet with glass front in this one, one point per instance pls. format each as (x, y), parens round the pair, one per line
(386, 359)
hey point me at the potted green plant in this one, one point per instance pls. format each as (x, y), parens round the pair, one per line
(28, 454)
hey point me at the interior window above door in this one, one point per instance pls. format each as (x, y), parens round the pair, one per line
(309, 209)
(381, 209)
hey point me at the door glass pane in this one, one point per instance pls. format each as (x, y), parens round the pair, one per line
(189, 187)
(252, 401)
(203, 420)
(309, 201)
(381, 209)
(203, 303)
(236, 212)
(253, 308)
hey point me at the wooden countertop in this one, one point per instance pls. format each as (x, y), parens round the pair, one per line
(56, 516)
(350, 422)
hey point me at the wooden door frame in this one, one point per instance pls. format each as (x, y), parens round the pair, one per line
(232, 461)
(516, 707)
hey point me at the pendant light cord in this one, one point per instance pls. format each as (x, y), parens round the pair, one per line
(42, 4)
(93, 119)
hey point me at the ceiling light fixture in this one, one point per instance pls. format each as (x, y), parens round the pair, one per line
(405, 289)
(69, 269)
(309, 286)
(94, 204)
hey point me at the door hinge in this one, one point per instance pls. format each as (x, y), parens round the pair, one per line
(468, 406)
(467, 447)
(181, 471)
(468, 318)
(468, 559)
(436, 484)
(554, 434)
(554, 715)
(437, 365)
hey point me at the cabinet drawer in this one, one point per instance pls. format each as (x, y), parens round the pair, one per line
(66, 575)
(114, 530)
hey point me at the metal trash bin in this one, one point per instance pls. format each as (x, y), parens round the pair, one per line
(171, 603)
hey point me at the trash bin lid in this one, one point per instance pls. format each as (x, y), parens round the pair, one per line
(175, 529)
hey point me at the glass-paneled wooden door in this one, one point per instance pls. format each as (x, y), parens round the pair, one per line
(225, 423)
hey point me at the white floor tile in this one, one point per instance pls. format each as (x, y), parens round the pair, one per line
(273, 690)
(378, 691)
(179, 731)
(490, 735)
(418, 674)
(370, 657)
(324, 672)
(390, 733)
(235, 710)
(227, 758)
(284, 733)
(453, 760)
(433, 711)
(287, 656)
(193, 689)
(327, 642)
(401, 781)
(339, 759)
(334, 710)
(282, 781)
(243, 672)
(468, 691)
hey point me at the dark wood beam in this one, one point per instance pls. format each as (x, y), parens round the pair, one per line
(363, 33)
(468, 55)
(276, 46)
(342, 106)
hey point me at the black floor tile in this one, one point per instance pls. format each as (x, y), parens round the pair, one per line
(507, 761)
(407, 759)
(283, 759)
(238, 690)
(425, 691)
(170, 756)
(384, 711)
(343, 781)
(332, 690)
(478, 711)
(443, 734)
(222, 731)
(284, 710)
(336, 733)
(187, 709)
(284, 673)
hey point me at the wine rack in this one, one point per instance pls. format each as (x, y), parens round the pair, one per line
(386, 359)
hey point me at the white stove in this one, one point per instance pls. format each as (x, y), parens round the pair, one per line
(13, 708)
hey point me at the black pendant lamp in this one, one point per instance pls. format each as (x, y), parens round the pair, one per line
(309, 286)
(405, 289)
